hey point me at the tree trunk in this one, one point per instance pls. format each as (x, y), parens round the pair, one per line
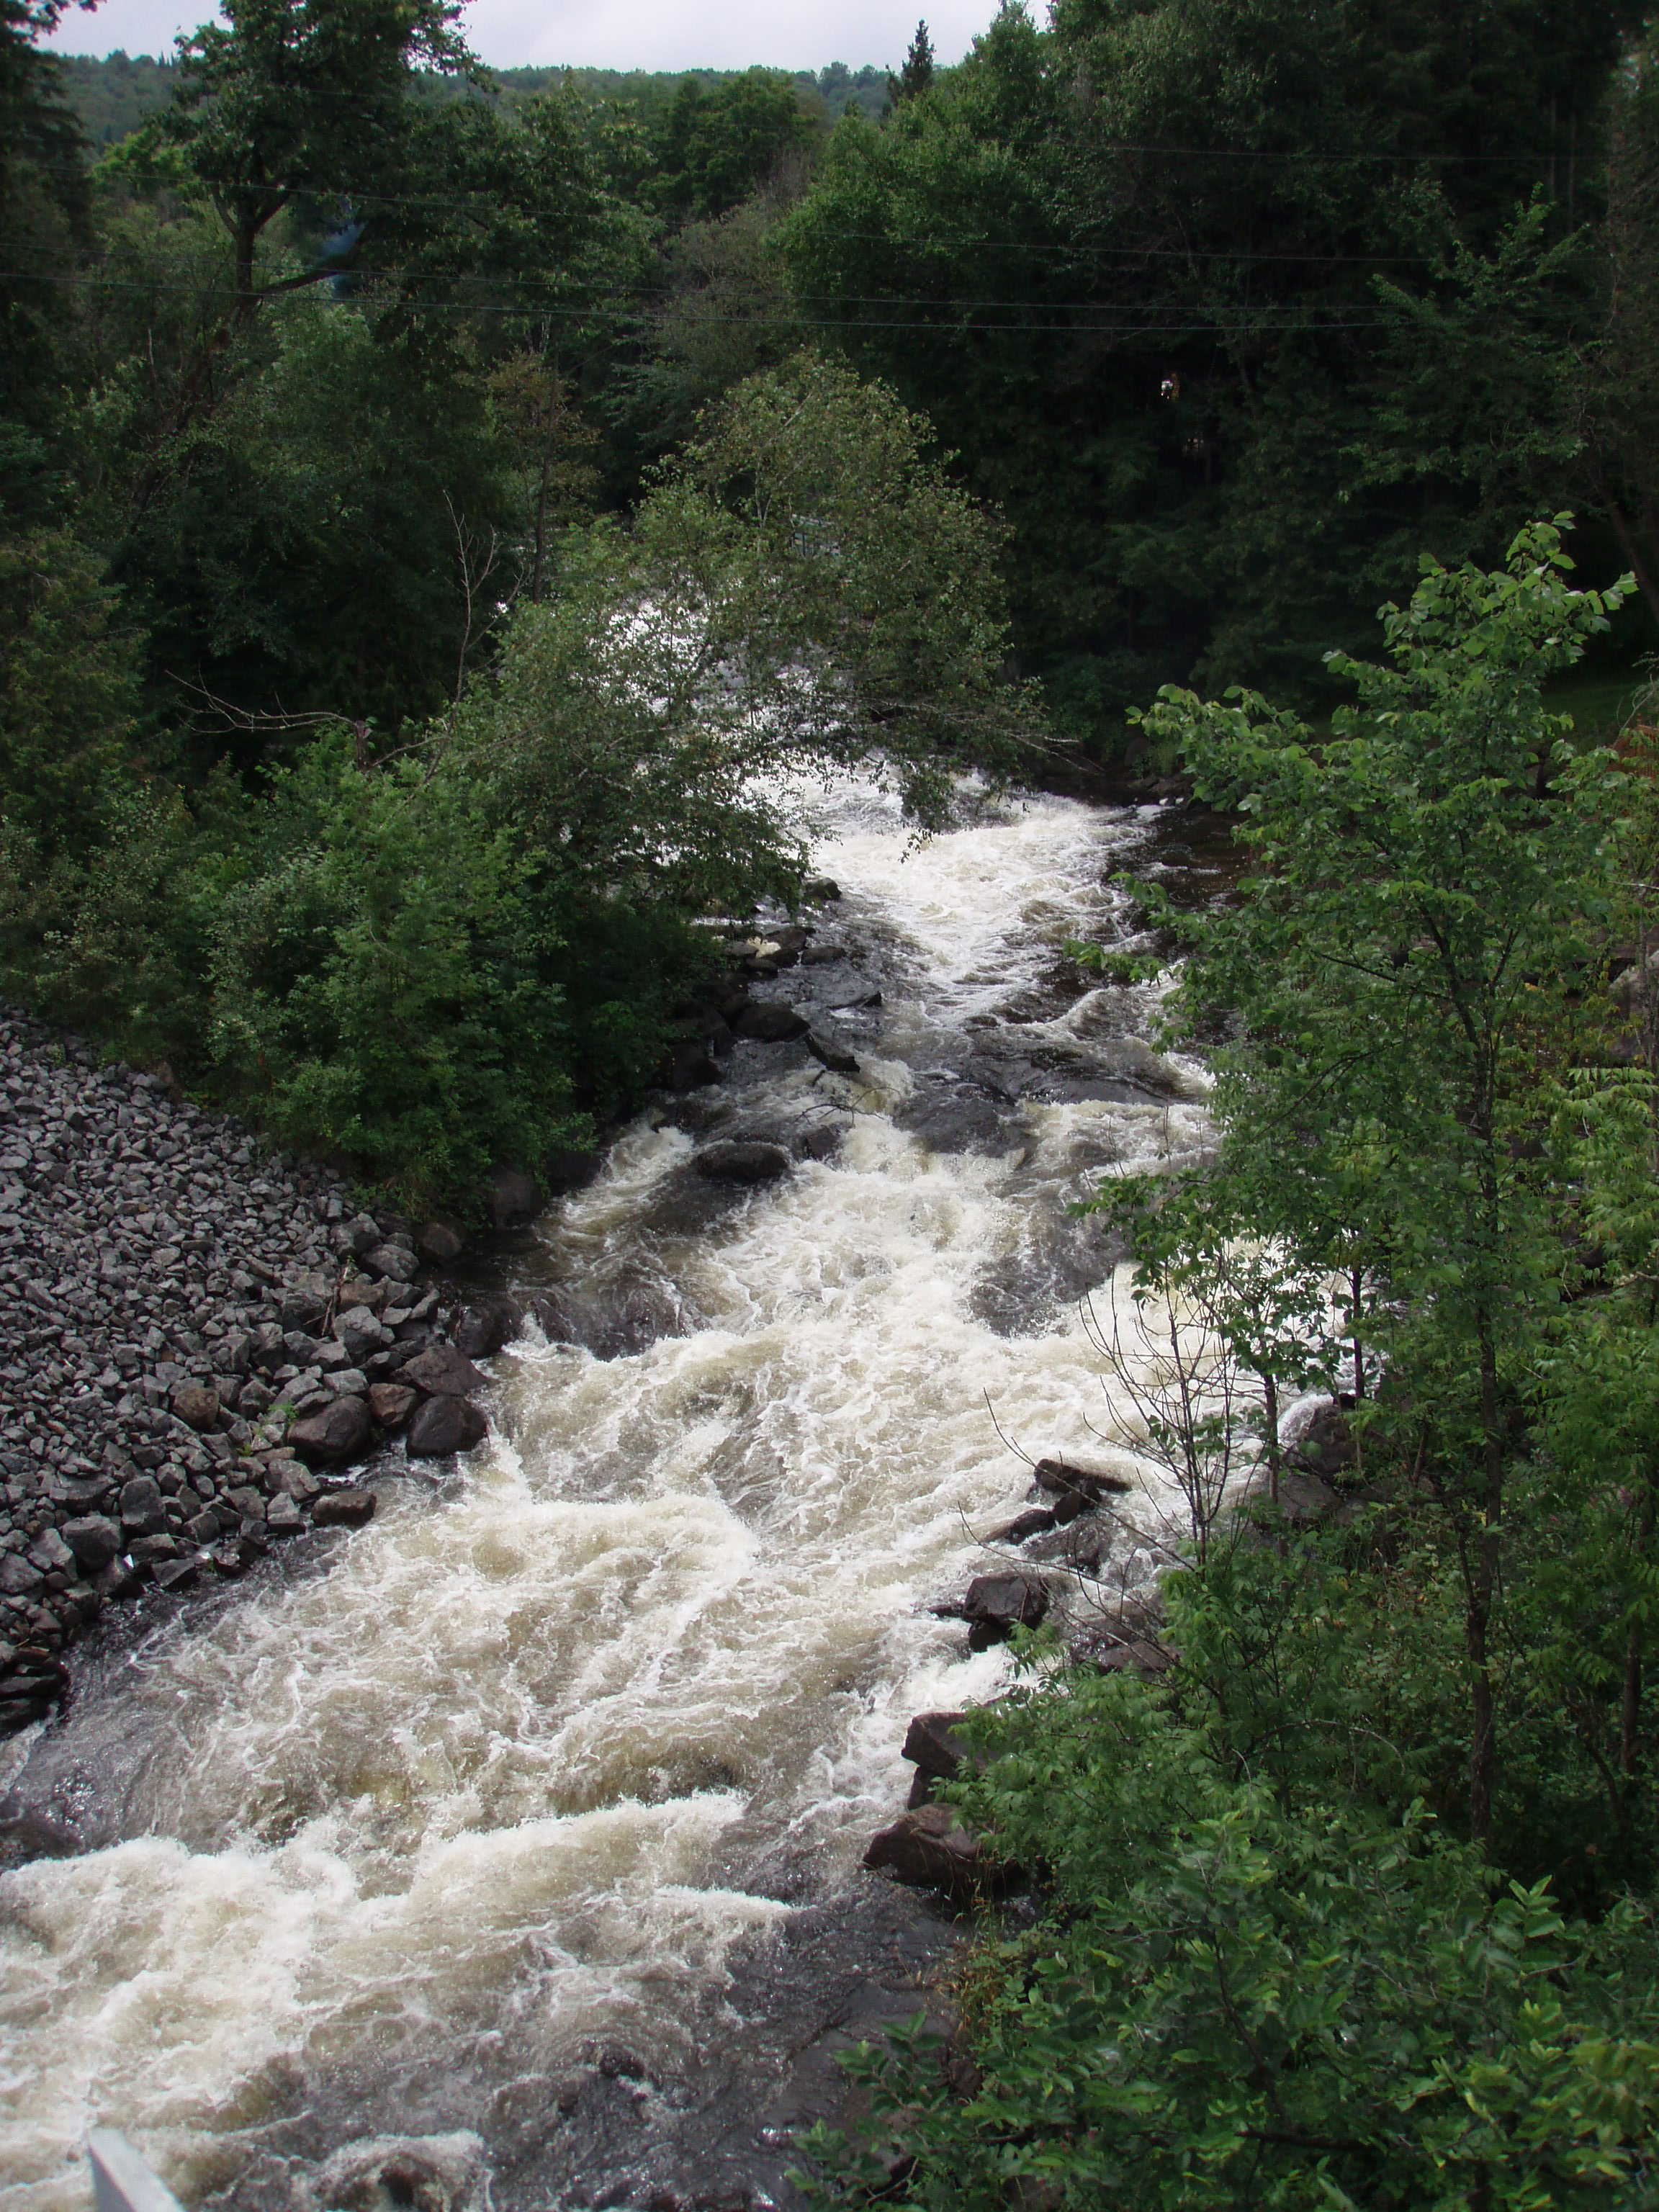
(1481, 1595)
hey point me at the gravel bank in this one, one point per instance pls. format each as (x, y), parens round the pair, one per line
(196, 1339)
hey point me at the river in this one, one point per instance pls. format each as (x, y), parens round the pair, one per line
(530, 1826)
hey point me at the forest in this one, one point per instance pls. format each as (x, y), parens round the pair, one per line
(432, 507)
(355, 389)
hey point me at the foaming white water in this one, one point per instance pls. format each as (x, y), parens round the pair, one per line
(522, 1764)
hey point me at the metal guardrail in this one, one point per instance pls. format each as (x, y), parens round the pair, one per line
(121, 2182)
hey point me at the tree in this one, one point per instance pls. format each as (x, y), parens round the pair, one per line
(917, 74)
(294, 97)
(44, 210)
(1427, 890)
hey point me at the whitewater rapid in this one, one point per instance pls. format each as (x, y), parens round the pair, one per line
(502, 1787)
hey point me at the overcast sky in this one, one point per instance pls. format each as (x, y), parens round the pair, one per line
(652, 34)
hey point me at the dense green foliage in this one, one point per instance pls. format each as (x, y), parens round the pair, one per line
(348, 363)
(1357, 1903)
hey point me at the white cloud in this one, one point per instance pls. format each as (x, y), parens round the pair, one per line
(652, 35)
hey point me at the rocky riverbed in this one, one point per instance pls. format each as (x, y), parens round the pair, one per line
(197, 1340)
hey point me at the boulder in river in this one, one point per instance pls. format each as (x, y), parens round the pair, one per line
(1023, 1526)
(481, 1329)
(515, 1199)
(443, 1372)
(1077, 1489)
(830, 1054)
(442, 1425)
(768, 1021)
(344, 1509)
(740, 1162)
(930, 1847)
(333, 1432)
(998, 1604)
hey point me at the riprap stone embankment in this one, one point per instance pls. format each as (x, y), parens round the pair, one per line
(195, 1338)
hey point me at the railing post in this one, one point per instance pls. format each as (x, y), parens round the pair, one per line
(121, 2182)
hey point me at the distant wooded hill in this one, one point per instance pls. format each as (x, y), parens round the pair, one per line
(113, 96)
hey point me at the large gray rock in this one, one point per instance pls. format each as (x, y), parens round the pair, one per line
(394, 1260)
(481, 1329)
(1077, 1489)
(390, 1403)
(742, 1163)
(996, 1605)
(361, 1333)
(767, 1022)
(17, 1577)
(195, 1405)
(143, 1511)
(93, 1539)
(829, 1053)
(335, 1433)
(442, 1425)
(515, 1199)
(344, 1509)
(442, 1371)
(1326, 1446)
(440, 1241)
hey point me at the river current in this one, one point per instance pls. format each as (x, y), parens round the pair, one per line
(495, 1836)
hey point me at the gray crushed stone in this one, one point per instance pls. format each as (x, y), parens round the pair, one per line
(175, 1300)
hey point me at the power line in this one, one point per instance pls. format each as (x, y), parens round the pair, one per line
(528, 308)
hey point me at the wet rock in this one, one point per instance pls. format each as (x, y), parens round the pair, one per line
(282, 1517)
(831, 1054)
(1077, 1489)
(995, 1605)
(737, 1161)
(768, 1021)
(688, 1065)
(390, 1403)
(442, 1371)
(1025, 1526)
(439, 1243)
(930, 1847)
(515, 1199)
(478, 1331)
(333, 1434)
(1326, 1446)
(423, 2173)
(613, 1321)
(931, 1743)
(571, 1167)
(442, 1425)
(195, 1405)
(93, 1539)
(820, 890)
(178, 1574)
(1085, 1545)
(954, 1117)
(344, 1509)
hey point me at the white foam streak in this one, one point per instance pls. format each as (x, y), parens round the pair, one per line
(540, 1752)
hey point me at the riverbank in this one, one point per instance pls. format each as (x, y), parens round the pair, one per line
(200, 1338)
